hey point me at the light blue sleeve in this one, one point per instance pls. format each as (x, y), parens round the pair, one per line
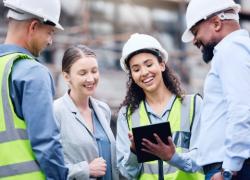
(234, 72)
(187, 161)
(31, 93)
(126, 160)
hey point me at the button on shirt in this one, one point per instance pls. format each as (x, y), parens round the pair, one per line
(31, 89)
(127, 161)
(225, 119)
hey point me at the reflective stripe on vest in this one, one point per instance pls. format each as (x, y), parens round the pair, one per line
(181, 134)
(17, 161)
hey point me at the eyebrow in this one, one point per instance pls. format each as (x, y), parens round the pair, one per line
(145, 61)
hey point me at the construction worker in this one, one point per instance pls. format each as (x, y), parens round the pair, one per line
(213, 26)
(154, 95)
(29, 137)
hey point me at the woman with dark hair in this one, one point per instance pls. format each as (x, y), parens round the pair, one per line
(84, 122)
(154, 95)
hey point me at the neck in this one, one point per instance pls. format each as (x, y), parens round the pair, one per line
(161, 96)
(81, 102)
(230, 27)
(17, 34)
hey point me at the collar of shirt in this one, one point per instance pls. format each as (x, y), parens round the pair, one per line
(11, 48)
(71, 105)
(167, 108)
(225, 40)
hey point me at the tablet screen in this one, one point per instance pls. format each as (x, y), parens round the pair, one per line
(161, 129)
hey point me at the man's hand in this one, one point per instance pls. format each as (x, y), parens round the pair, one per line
(217, 176)
(160, 149)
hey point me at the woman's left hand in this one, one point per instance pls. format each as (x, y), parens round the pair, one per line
(160, 149)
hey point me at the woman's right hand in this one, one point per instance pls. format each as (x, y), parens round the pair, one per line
(97, 167)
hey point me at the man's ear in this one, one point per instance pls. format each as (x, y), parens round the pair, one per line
(217, 23)
(33, 25)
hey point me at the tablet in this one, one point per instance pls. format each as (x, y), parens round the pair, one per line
(161, 129)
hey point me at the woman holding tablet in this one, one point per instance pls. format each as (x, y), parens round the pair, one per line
(153, 96)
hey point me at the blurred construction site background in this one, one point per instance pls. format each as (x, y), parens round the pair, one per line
(104, 25)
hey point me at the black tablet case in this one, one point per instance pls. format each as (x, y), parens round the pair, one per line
(161, 129)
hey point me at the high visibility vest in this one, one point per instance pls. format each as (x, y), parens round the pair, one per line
(181, 118)
(17, 161)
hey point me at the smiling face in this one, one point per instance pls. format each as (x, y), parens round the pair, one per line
(146, 71)
(83, 76)
(205, 37)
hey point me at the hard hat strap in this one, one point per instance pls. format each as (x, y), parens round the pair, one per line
(227, 16)
(25, 16)
(19, 15)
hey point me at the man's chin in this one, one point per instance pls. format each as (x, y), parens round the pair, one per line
(208, 52)
(206, 59)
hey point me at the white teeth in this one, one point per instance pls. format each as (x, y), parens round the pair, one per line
(89, 86)
(147, 80)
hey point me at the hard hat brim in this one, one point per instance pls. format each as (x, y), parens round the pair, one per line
(187, 36)
(58, 26)
(125, 58)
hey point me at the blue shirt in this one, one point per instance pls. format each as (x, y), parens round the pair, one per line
(31, 91)
(103, 146)
(225, 119)
(127, 161)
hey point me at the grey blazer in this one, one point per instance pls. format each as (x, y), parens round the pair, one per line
(79, 144)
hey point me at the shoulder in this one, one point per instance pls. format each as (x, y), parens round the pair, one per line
(122, 114)
(30, 65)
(60, 110)
(59, 106)
(196, 98)
(101, 107)
(100, 104)
(123, 110)
(31, 71)
(240, 44)
(58, 102)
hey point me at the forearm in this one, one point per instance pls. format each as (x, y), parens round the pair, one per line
(129, 167)
(184, 162)
(126, 160)
(78, 171)
(236, 143)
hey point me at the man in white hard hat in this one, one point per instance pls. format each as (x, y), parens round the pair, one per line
(213, 26)
(29, 138)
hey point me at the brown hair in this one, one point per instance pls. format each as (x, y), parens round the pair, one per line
(72, 54)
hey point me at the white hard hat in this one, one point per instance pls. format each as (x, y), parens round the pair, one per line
(138, 42)
(46, 10)
(202, 9)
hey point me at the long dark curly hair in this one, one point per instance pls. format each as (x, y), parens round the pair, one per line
(135, 93)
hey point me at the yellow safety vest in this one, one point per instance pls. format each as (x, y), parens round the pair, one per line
(180, 117)
(17, 161)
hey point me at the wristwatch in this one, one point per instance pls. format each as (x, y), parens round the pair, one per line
(227, 174)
